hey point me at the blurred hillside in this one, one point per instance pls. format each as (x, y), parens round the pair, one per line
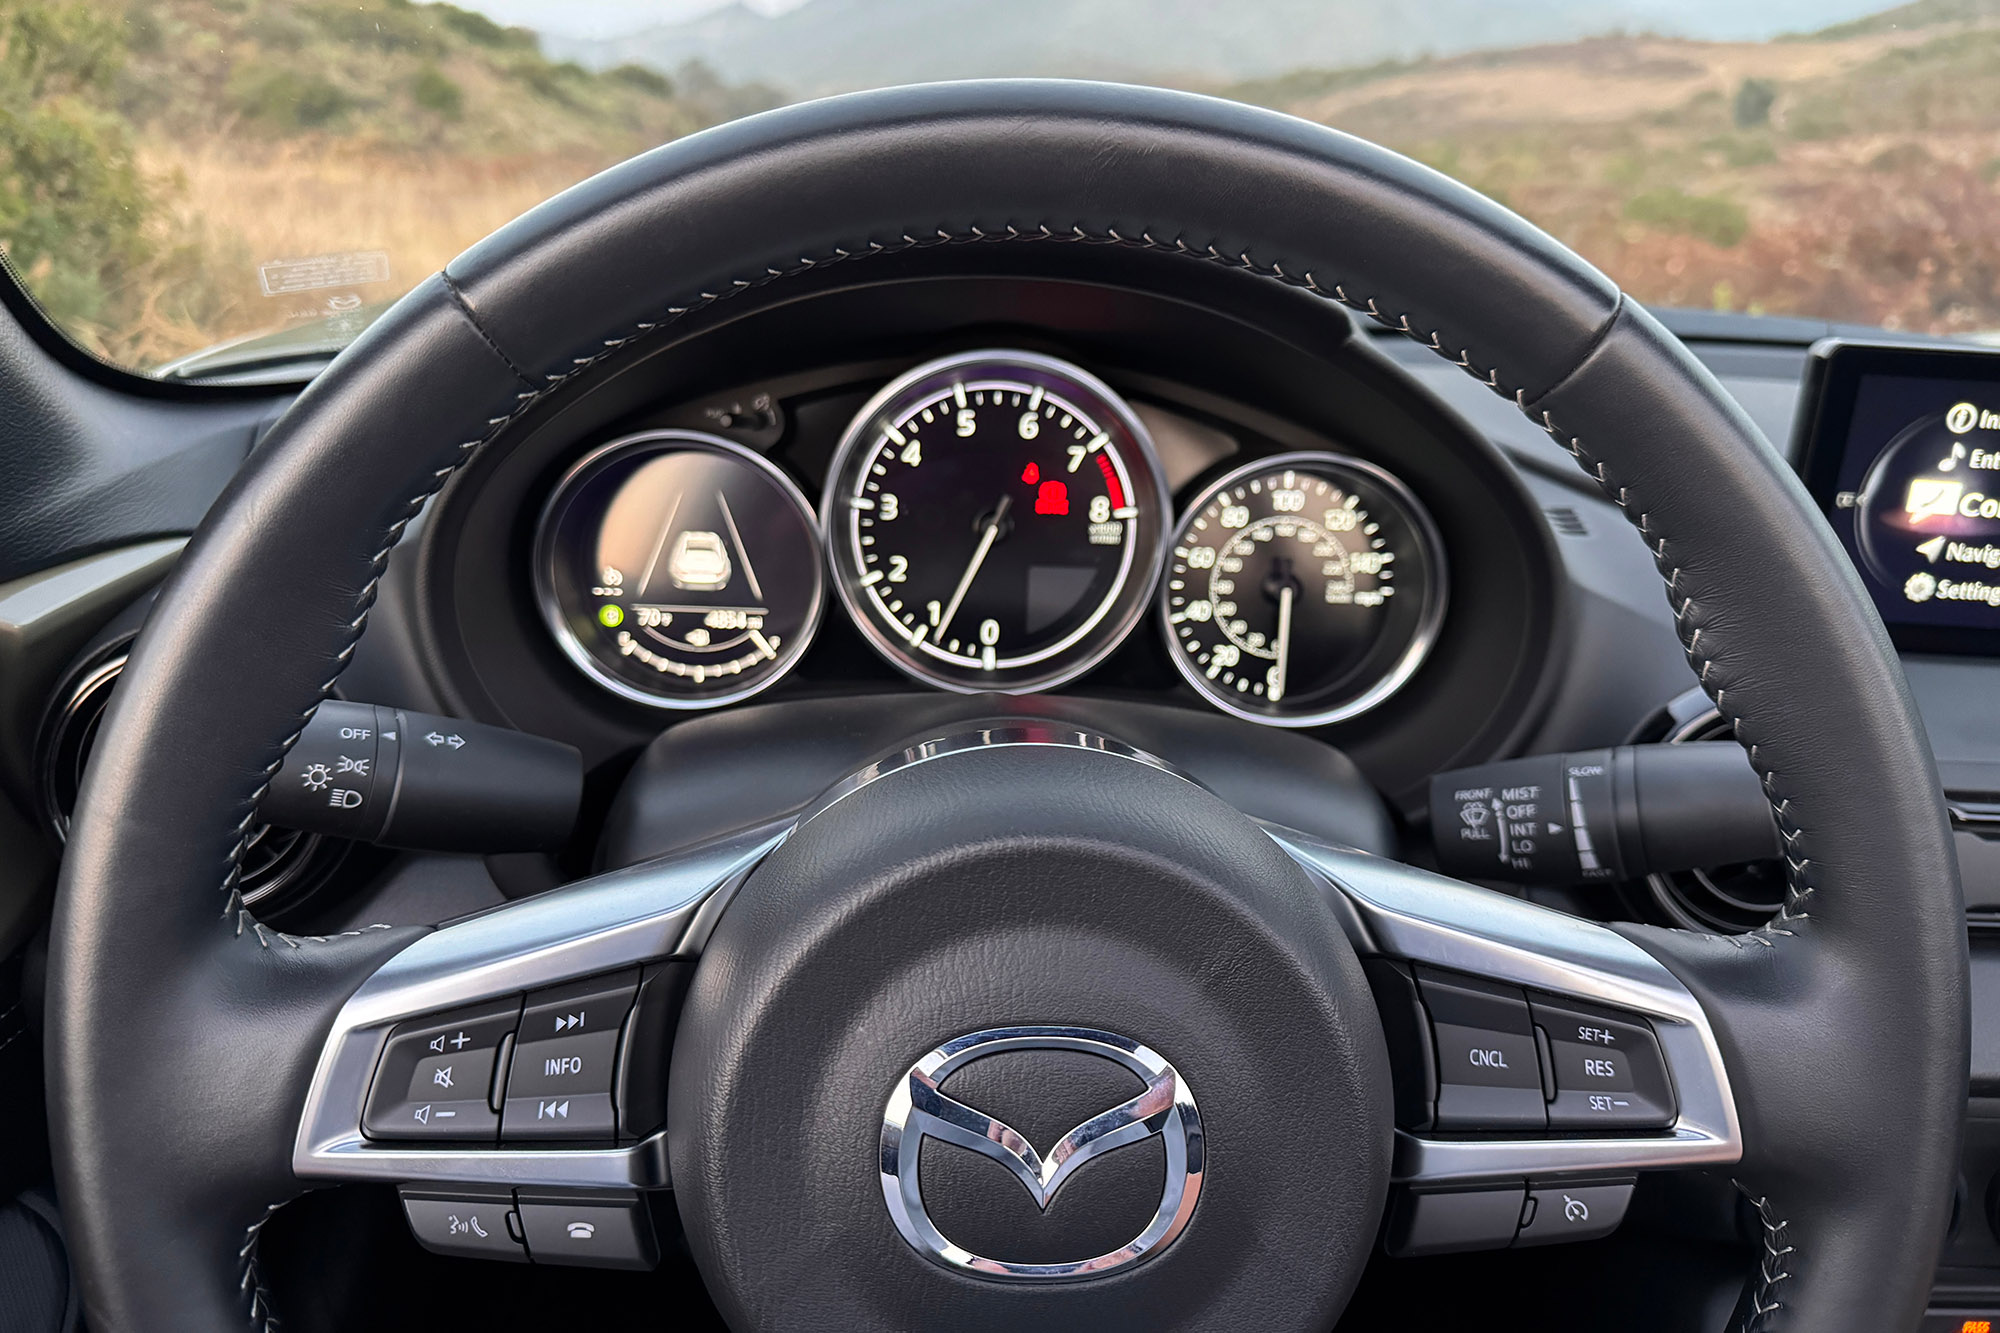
(157, 156)
(174, 173)
(828, 46)
(1848, 174)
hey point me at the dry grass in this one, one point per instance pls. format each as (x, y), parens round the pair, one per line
(1592, 81)
(255, 202)
(1872, 194)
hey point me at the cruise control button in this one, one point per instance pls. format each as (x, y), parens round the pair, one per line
(1557, 1213)
(470, 1223)
(1489, 1075)
(566, 1060)
(436, 1074)
(1608, 1069)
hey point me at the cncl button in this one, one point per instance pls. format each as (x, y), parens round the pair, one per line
(1489, 1076)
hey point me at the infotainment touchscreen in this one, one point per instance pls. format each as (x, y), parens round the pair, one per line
(1901, 447)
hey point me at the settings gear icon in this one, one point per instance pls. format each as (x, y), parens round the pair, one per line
(316, 776)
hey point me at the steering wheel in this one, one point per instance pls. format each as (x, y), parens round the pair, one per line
(204, 1069)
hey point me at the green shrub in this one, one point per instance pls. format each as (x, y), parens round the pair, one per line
(287, 100)
(385, 25)
(1902, 158)
(1708, 217)
(1753, 103)
(73, 206)
(433, 90)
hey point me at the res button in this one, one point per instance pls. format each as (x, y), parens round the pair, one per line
(1607, 1068)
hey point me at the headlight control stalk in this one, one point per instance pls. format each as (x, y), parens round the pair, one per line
(403, 779)
(1599, 815)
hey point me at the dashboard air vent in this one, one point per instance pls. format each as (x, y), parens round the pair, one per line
(1728, 900)
(1566, 521)
(281, 867)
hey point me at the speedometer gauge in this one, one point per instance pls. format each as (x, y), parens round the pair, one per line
(679, 570)
(995, 521)
(1302, 589)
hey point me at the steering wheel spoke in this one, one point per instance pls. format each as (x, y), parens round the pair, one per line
(610, 923)
(1514, 1028)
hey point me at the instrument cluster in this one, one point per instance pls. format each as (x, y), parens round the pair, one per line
(990, 521)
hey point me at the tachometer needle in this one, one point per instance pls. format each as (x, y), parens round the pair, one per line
(987, 536)
(1277, 686)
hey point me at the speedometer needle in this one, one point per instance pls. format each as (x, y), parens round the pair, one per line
(987, 536)
(1277, 688)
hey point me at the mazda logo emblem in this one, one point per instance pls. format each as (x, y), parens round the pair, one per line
(917, 1110)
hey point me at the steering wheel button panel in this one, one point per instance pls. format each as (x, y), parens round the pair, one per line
(566, 1059)
(436, 1075)
(1608, 1069)
(1489, 1076)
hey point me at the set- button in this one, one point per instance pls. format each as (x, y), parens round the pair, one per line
(1605, 1070)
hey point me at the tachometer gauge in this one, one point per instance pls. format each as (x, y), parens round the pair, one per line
(679, 570)
(995, 521)
(1302, 589)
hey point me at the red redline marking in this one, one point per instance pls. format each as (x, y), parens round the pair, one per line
(1111, 480)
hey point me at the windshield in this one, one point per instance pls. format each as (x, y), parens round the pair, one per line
(190, 186)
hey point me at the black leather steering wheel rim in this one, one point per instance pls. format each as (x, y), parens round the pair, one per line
(182, 1032)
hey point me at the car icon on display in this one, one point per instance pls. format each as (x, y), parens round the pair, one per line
(700, 562)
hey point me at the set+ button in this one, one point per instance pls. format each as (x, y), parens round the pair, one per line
(1607, 1069)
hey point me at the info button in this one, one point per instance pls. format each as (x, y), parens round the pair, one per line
(561, 1089)
(559, 1084)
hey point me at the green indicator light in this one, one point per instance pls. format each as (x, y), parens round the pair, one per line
(611, 615)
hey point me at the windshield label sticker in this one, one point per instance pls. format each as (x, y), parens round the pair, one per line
(283, 277)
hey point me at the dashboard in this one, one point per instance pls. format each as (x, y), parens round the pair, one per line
(991, 486)
(994, 520)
